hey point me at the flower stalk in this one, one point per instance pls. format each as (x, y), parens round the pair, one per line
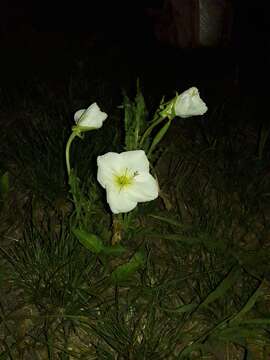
(69, 142)
(150, 129)
(159, 137)
(88, 119)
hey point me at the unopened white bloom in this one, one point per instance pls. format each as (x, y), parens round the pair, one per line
(127, 180)
(91, 117)
(189, 104)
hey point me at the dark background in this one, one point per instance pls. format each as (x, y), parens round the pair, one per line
(44, 39)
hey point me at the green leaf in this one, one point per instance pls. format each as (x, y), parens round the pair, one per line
(223, 287)
(4, 184)
(189, 240)
(115, 250)
(170, 221)
(239, 334)
(181, 309)
(135, 115)
(91, 241)
(124, 271)
(249, 304)
(138, 259)
(254, 322)
(191, 348)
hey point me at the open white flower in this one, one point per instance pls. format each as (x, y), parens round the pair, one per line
(189, 104)
(90, 118)
(127, 180)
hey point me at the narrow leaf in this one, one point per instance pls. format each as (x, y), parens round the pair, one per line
(254, 322)
(169, 221)
(239, 334)
(223, 287)
(189, 240)
(180, 309)
(249, 304)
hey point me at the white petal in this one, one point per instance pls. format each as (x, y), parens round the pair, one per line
(91, 117)
(133, 164)
(94, 111)
(144, 188)
(189, 104)
(109, 165)
(182, 107)
(135, 160)
(119, 200)
(78, 114)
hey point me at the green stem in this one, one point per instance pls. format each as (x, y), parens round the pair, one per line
(71, 138)
(159, 137)
(150, 129)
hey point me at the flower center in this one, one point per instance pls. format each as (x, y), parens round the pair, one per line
(125, 179)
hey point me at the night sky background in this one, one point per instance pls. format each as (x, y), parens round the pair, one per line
(45, 39)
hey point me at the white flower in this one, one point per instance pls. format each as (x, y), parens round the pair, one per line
(189, 104)
(127, 180)
(92, 117)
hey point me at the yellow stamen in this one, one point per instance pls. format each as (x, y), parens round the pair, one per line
(125, 179)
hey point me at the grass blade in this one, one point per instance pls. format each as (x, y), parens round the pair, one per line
(223, 287)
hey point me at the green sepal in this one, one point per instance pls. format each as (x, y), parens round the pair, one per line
(168, 109)
(79, 130)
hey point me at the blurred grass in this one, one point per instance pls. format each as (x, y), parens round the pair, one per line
(204, 289)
